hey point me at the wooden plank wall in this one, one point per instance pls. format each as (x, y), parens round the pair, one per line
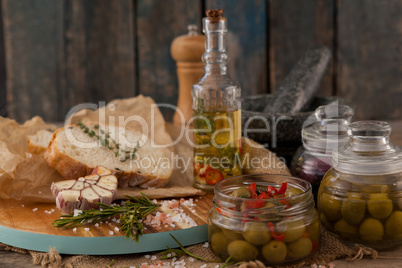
(60, 53)
(3, 96)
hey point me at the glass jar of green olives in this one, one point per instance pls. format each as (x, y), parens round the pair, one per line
(360, 198)
(264, 217)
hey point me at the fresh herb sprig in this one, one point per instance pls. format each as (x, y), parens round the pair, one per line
(132, 213)
(178, 252)
(109, 143)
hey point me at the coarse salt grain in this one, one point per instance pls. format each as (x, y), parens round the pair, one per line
(111, 232)
(153, 258)
(96, 224)
(147, 256)
(48, 212)
(191, 259)
(206, 244)
(35, 209)
(77, 212)
(53, 210)
(203, 266)
(86, 229)
(116, 229)
(75, 229)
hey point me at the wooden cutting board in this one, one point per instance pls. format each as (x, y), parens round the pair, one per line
(29, 226)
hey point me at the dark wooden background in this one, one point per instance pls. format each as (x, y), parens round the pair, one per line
(55, 54)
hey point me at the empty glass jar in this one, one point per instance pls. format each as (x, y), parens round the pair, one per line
(326, 133)
(360, 198)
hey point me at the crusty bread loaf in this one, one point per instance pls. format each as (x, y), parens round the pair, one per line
(38, 143)
(74, 153)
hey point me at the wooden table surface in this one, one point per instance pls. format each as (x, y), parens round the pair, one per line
(387, 259)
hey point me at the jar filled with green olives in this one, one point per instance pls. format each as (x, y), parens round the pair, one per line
(263, 217)
(360, 198)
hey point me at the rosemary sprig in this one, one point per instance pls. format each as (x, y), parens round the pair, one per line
(109, 143)
(181, 252)
(131, 215)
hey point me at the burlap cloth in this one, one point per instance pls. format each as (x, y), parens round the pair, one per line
(331, 248)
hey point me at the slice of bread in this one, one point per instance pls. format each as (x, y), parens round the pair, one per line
(74, 153)
(38, 143)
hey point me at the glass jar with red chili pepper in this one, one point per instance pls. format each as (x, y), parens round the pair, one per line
(263, 217)
(321, 134)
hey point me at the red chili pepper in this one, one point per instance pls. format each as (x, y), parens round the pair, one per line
(284, 202)
(246, 217)
(254, 204)
(272, 191)
(283, 188)
(278, 236)
(222, 212)
(315, 246)
(263, 195)
(252, 188)
(271, 227)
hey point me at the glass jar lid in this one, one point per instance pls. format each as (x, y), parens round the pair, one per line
(329, 128)
(368, 151)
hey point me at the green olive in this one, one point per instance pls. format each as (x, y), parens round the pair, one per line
(313, 230)
(257, 233)
(324, 220)
(219, 243)
(241, 250)
(336, 184)
(393, 226)
(212, 228)
(330, 205)
(353, 209)
(379, 206)
(300, 248)
(241, 192)
(293, 191)
(232, 235)
(345, 229)
(371, 230)
(293, 229)
(375, 188)
(274, 252)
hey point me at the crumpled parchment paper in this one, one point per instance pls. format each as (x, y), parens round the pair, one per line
(26, 176)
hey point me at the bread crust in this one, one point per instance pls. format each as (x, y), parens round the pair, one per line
(34, 149)
(70, 168)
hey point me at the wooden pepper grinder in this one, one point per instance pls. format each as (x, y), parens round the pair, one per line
(187, 51)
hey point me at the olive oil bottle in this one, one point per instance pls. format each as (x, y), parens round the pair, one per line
(216, 111)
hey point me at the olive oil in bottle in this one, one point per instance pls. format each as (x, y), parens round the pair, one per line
(216, 111)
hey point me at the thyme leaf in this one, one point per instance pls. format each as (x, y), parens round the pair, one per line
(131, 215)
(110, 143)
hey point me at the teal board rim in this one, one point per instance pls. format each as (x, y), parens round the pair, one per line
(102, 245)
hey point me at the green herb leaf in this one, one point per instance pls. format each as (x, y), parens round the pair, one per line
(131, 215)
